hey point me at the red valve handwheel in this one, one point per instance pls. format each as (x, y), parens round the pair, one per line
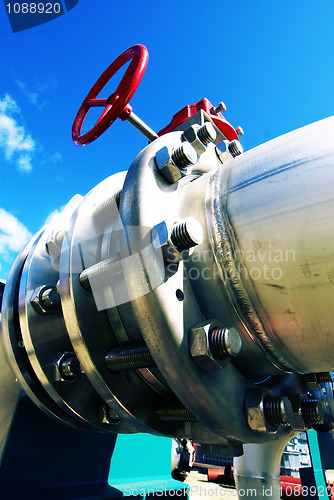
(117, 104)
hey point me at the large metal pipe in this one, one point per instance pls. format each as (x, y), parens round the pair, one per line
(271, 223)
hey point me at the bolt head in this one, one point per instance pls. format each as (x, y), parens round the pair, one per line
(199, 344)
(221, 107)
(166, 166)
(240, 130)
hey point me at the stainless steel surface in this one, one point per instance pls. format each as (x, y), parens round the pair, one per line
(271, 227)
(257, 471)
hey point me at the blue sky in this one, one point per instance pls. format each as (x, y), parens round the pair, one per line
(272, 63)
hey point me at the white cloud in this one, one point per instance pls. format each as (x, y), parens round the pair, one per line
(13, 235)
(16, 143)
(34, 94)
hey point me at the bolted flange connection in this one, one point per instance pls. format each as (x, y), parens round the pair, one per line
(212, 346)
(45, 299)
(265, 412)
(175, 239)
(173, 163)
(129, 358)
(200, 136)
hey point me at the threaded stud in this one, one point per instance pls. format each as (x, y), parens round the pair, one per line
(235, 148)
(129, 358)
(278, 410)
(100, 274)
(106, 207)
(225, 342)
(176, 415)
(311, 411)
(207, 133)
(323, 377)
(184, 156)
(187, 234)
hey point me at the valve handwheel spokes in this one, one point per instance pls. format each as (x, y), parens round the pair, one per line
(117, 104)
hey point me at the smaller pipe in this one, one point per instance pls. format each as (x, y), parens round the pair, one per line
(144, 129)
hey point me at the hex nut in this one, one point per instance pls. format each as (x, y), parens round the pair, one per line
(172, 163)
(191, 136)
(66, 368)
(255, 408)
(167, 167)
(199, 344)
(161, 241)
(45, 299)
(200, 136)
(107, 415)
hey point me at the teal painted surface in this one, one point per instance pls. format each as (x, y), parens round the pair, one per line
(316, 463)
(141, 464)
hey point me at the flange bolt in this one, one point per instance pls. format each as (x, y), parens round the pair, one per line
(312, 411)
(225, 342)
(176, 415)
(184, 156)
(278, 410)
(129, 358)
(207, 133)
(235, 148)
(186, 234)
